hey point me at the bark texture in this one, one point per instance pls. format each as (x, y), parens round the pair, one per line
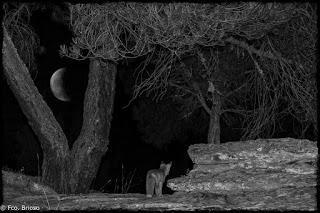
(63, 170)
(93, 140)
(41, 119)
(214, 125)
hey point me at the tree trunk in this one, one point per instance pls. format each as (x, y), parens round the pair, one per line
(53, 142)
(214, 125)
(63, 170)
(93, 140)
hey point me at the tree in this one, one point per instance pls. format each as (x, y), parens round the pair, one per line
(67, 171)
(16, 20)
(167, 33)
(266, 90)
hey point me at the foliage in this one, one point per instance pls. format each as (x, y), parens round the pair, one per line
(277, 39)
(118, 30)
(114, 31)
(287, 85)
(16, 20)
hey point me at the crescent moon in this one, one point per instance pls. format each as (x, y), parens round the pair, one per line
(57, 85)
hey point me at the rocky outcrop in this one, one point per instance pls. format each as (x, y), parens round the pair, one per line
(265, 172)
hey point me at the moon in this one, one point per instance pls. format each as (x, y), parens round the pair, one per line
(57, 85)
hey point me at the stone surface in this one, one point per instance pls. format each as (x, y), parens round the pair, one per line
(275, 174)
(285, 168)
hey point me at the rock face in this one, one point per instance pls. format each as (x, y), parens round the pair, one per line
(266, 171)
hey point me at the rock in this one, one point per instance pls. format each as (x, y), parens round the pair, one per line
(281, 167)
(17, 184)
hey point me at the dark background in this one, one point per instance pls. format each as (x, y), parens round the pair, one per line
(129, 155)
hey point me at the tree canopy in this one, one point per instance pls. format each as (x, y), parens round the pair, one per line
(118, 30)
(277, 40)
